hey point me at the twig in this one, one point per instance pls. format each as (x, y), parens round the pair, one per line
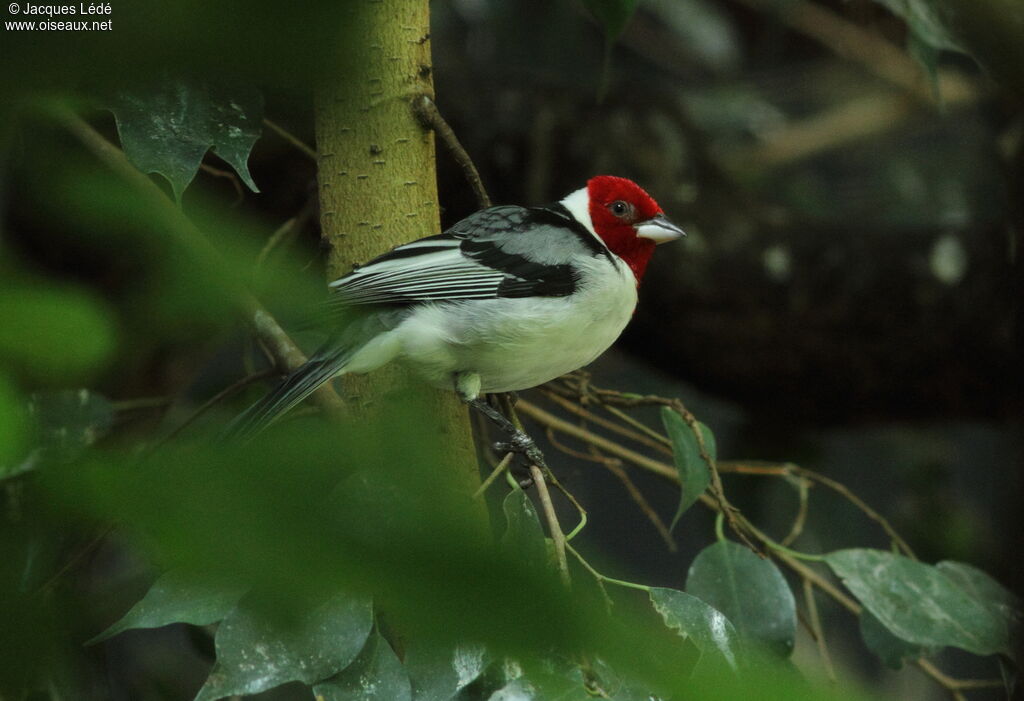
(952, 684)
(845, 491)
(501, 467)
(580, 411)
(819, 634)
(285, 232)
(227, 174)
(286, 354)
(228, 391)
(615, 467)
(563, 426)
(801, 514)
(426, 111)
(141, 403)
(290, 138)
(554, 528)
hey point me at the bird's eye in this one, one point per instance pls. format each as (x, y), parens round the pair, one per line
(620, 208)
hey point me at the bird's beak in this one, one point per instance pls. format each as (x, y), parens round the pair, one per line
(659, 229)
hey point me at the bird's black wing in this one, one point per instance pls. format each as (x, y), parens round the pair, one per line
(498, 252)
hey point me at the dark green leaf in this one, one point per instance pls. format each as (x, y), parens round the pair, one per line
(892, 651)
(177, 598)
(168, 128)
(1003, 605)
(524, 537)
(53, 332)
(68, 421)
(919, 603)
(694, 474)
(376, 675)
(613, 15)
(749, 591)
(255, 654)
(438, 675)
(707, 628)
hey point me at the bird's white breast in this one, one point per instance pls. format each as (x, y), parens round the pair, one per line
(517, 343)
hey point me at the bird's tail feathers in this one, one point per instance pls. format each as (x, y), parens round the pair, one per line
(293, 389)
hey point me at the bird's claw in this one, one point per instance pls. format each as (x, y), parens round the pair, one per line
(523, 446)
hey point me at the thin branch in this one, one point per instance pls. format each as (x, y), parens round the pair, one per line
(227, 174)
(563, 426)
(554, 527)
(228, 391)
(583, 413)
(286, 354)
(290, 138)
(501, 467)
(615, 467)
(428, 115)
(801, 514)
(819, 634)
(285, 232)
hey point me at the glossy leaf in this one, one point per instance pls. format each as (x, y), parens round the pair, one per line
(891, 650)
(694, 475)
(1005, 607)
(706, 627)
(613, 15)
(920, 603)
(168, 128)
(749, 591)
(177, 598)
(376, 675)
(255, 654)
(524, 538)
(438, 674)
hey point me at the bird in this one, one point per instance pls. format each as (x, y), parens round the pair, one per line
(507, 299)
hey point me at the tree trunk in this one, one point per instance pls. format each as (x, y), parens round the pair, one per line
(377, 178)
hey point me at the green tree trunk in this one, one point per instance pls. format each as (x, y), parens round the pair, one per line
(377, 176)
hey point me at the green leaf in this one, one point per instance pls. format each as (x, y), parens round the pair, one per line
(891, 650)
(255, 654)
(706, 627)
(177, 598)
(438, 674)
(920, 603)
(376, 675)
(1005, 607)
(52, 332)
(749, 591)
(69, 421)
(524, 538)
(613, 15)
(694, 474)
(168, 128)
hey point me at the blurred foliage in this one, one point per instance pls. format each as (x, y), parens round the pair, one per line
(110, 290)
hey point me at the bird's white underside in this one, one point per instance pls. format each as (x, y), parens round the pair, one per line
(548, 337)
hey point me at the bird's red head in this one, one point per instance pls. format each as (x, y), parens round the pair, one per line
(628, 220)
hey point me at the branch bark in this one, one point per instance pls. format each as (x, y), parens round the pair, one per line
(377, 177)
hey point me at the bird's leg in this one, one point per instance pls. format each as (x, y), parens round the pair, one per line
(518, 442)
